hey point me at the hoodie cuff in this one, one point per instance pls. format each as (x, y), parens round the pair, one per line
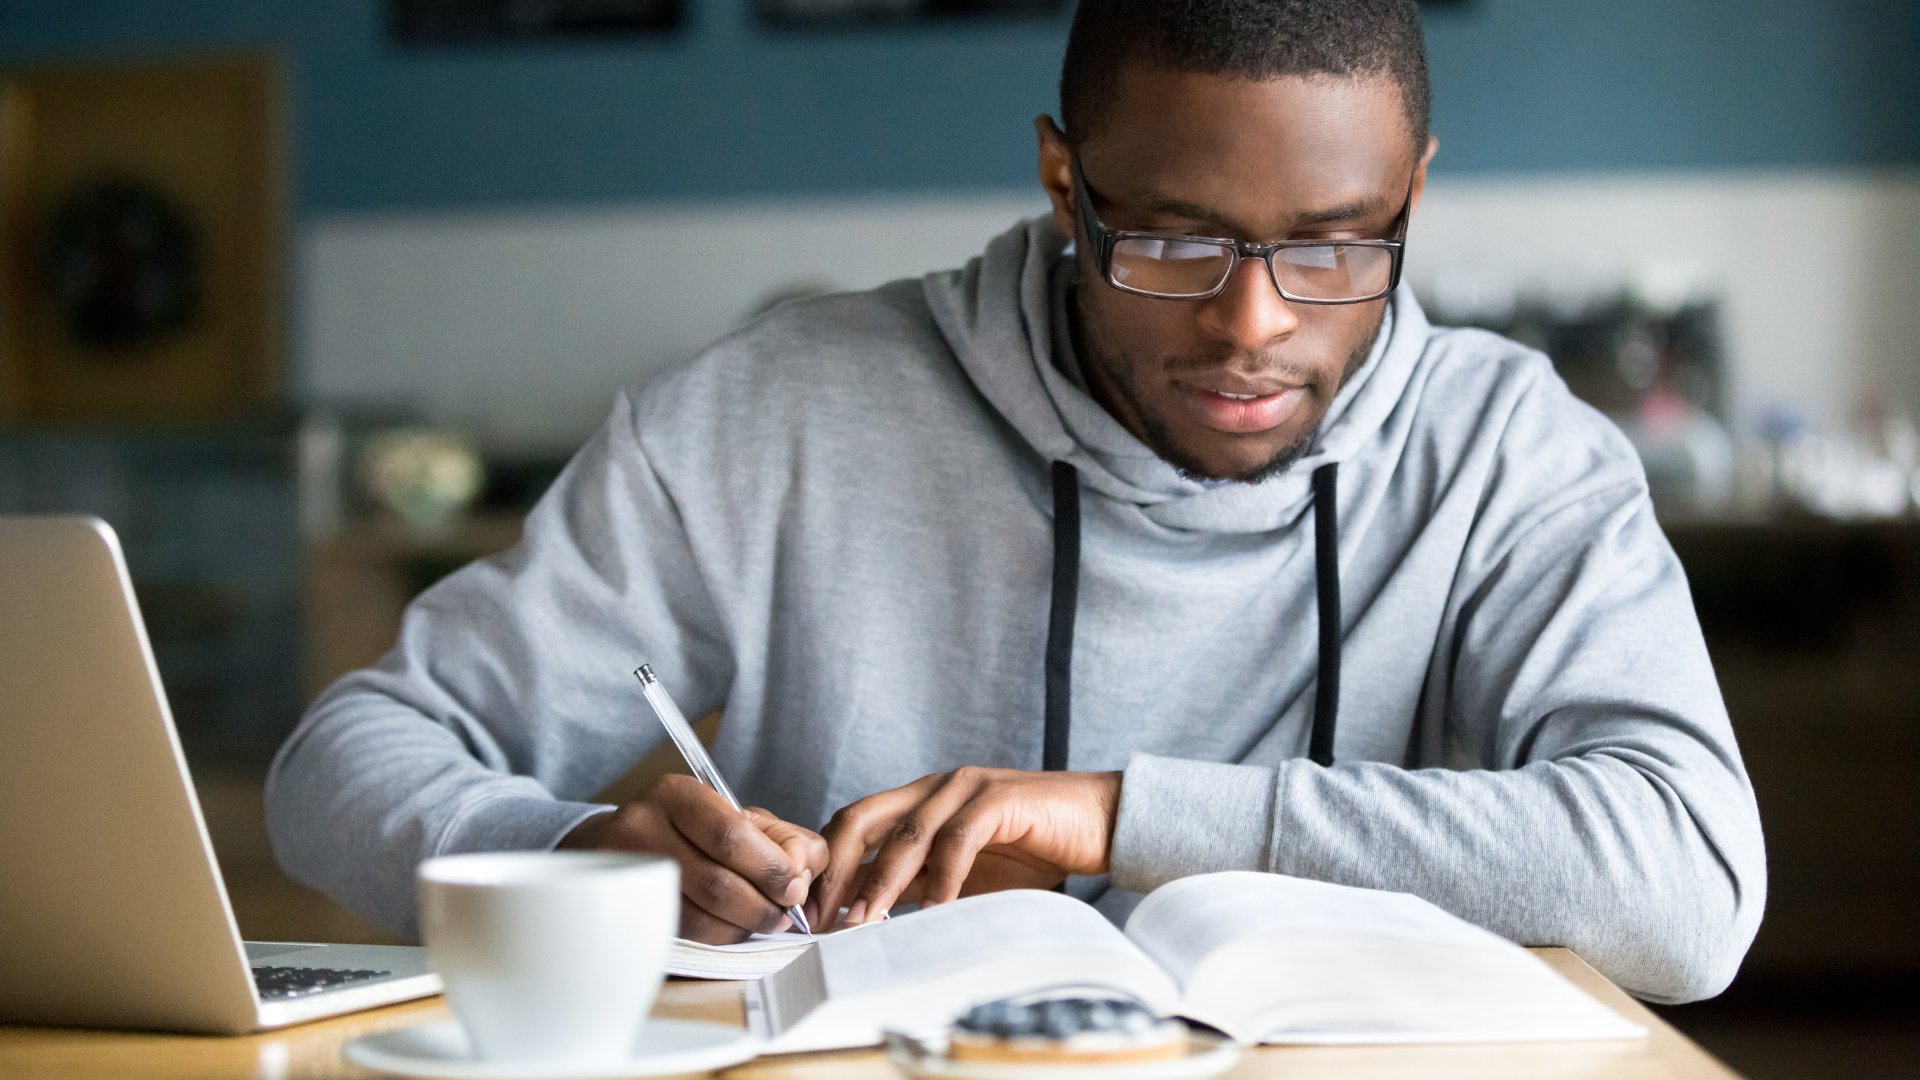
(1182, 817)
(515, 823)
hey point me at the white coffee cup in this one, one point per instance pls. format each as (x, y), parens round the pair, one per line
(550, 956)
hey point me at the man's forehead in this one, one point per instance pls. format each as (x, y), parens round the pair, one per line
(1288, 145)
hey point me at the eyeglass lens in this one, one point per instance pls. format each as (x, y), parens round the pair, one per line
(1177, 268)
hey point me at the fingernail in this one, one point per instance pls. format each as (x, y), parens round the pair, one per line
(797, 888)
(785, 925)
(857, 913)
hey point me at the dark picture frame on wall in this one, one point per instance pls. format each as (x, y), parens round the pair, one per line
(455, 22)
(141, 247)
(832, 14)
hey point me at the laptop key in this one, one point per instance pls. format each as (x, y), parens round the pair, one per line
(291, 982)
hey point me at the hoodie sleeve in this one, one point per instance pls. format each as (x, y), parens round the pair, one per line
(509, 698)
(1599, 802)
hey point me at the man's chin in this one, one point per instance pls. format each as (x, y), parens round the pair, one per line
(1239, 464)
(1276, 466)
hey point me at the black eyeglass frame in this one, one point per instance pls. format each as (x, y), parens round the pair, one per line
(1104, 240)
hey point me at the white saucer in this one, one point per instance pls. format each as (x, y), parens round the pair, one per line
(1207, 1056)
(439, 1051)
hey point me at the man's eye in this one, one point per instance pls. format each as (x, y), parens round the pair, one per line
(1314, 258)
(1177, 250)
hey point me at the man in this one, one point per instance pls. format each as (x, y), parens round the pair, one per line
(1192, 547)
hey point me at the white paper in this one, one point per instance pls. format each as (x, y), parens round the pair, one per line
(755, 958)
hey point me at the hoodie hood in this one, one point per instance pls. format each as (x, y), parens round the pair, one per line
(1005, 317)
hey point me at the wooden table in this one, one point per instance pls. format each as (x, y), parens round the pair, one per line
(312, 1051)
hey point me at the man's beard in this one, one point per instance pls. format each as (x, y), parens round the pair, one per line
(1159, 438)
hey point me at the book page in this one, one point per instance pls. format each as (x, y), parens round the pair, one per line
(758, 956)
(920, 971)
(1270, 958)
(1185, 921)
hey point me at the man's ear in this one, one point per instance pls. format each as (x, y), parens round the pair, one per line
(1056, 172)
(1420, 174)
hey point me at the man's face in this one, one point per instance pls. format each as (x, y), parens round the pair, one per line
(1324, 157)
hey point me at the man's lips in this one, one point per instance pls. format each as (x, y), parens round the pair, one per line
(1238, 385)
(1239, 406)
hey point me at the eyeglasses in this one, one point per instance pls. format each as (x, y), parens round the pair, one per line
(1172, 266)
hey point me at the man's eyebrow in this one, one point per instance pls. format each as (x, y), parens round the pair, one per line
(1157, 203)
(1344, 212)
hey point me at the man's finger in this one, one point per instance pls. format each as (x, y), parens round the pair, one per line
(804, 848)
(853, 831)
(959, 842)
(905, 849)
(728, 837)
(699, 924)
(727, 895)
(846, 834)
(719, 890)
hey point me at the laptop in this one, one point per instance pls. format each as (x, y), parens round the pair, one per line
(112, 911)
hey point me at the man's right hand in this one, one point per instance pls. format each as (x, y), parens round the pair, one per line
(739, 871)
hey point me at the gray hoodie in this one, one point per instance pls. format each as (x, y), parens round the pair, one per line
(837, 523)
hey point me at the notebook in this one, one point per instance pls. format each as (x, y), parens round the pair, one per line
(1263, 958)
(757, 957)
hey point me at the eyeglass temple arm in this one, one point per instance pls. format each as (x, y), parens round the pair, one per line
(1083, 209)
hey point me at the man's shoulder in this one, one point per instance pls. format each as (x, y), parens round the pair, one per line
(829, 335)
(816, 344)
(1513, 387)
(1507, 408)
(851, 366)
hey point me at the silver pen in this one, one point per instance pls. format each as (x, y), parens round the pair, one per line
(698, 760)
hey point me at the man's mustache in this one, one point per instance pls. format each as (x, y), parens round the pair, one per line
(1256, 367)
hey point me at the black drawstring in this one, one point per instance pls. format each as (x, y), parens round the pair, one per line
(1066, 601)
(1066, 596)
(1326, 573)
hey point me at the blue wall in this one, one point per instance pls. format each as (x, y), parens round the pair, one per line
(725, 108)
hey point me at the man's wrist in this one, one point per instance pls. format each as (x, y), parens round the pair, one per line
(1107, 792)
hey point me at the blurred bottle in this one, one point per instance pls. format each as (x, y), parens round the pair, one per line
(1871, 470)
(1889, 448)
(1688, 454)
(1783, 431)
(320, 471)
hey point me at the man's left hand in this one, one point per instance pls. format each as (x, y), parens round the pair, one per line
(1018, 828)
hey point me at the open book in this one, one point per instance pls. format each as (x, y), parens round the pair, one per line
(1261, 957)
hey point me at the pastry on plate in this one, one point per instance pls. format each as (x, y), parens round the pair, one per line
(1065, 1031)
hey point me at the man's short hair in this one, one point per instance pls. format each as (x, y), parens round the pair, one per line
(1247, 39)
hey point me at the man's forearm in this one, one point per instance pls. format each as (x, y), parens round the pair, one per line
(1597, 853)
(368, 787)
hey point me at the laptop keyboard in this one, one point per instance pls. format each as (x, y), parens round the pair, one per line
(280, 983)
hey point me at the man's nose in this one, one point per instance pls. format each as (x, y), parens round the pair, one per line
(1249, 313)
